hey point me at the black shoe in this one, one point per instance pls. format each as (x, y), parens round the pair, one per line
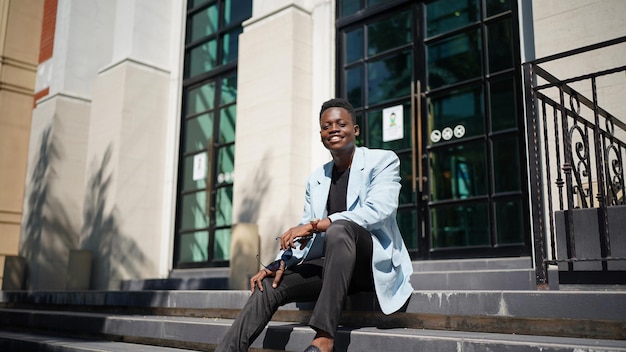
(312, 348)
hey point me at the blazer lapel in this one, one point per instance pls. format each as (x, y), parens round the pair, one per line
(319, 195)
(354, 182)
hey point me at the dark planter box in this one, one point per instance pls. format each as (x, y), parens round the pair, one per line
(586, 235)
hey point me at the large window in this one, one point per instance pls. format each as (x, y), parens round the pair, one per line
(207, 150)
(465, 55)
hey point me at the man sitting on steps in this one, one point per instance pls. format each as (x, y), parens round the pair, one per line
(347, 241)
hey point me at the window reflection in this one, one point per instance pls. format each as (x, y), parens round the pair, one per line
(454, 59)
(199, 131)
(463, 108)
(500, 46)
(458, 172)
(389, 78)
(389, 34)
(203, 24)
(445, 15)
(201, 99)
(193, 246)
(460, 226)
(202, 58)
(509, 222)
(506, 168)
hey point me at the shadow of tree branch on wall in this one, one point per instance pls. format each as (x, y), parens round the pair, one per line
(116, 257)
(48, 232)
(255, 192)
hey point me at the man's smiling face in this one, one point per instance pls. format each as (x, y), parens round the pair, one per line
(337, 130)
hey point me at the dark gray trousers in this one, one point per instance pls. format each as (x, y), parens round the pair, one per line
(346, 268)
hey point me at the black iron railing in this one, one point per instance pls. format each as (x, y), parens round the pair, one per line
(576, 152)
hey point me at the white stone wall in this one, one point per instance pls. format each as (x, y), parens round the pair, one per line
(285, 72)
(107, 182)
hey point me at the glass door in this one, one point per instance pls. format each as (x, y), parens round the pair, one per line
(437, 82)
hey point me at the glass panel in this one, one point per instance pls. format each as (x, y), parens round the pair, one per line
(229, 90)
(226, 164)
(406, 172)
(446, 15)
(509, 222)
(388, 34)
(389, 78)
(354, 45)
(193, 212)
(195, 3)
(228, 118)
(372, 3)
(457, 115)
(231, 45)
(407, 222)
(188, 182)
(460, 226)
(506, 168)
(503, 107)
(500, 46)
(201, 99)
(349, 7)
(458, 172)
(198, 132)
(224, 206)
(454, 59)
(354, 86)
(236, 11)
(222, 244)
(202, 58)
(375, 130)
(203, 23)
(194, 247)
(495, 7)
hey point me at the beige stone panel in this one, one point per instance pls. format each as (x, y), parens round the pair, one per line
(54, 189)
(9, 236)
(562, 25)
(126, 155)
(15, 112)
(17, 76)
(272, 154)
(142, 151)
(23, 30)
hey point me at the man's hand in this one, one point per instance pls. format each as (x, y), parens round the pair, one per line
(257, 279)
(300, 234)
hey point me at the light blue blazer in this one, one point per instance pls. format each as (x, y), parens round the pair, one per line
(373, 190)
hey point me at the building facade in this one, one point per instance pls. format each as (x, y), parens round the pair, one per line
(160, 126)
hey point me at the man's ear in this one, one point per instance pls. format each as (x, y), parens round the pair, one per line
(357, 130)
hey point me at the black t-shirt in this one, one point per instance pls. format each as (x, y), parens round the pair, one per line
(338, 191)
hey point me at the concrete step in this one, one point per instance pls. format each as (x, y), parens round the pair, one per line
(19, 341)
(203, 334)
(459, 274)
(545, 313)
(593, 305)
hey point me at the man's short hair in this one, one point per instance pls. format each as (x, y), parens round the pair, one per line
(339, 103)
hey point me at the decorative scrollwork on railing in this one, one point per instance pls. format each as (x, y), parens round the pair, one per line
(615, 176)
(581, 164)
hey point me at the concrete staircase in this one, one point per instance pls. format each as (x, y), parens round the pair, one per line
(458, 305)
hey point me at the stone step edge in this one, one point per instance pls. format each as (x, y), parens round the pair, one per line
(557, 327)
(540, 304)
(287, 336)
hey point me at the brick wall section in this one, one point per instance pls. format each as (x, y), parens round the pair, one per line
(47, 31)
(39, 95)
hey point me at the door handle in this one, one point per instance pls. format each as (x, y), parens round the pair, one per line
(416, 140)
